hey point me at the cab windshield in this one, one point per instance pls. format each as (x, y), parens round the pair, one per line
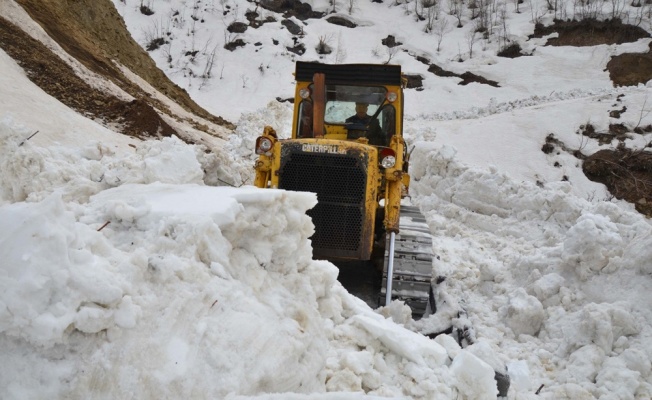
(341, 101)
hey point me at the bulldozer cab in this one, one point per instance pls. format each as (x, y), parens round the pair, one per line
(358, 100)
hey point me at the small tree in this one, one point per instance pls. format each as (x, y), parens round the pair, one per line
(502, 15)
(560, 9)
(146, 9)
(644, 112)
(390, 52)
(441, 29)
(432, 13)
(210, 63)
(617, 7)
(640, 14)
(208, 68)
(323, 46)
(586, 9)
(417, 14)
(167, 51)
(458, 11)
(351, 6)
(471, 38)
(196, 8)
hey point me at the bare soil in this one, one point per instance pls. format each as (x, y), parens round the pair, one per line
(467, 77)
(57, 78)
(630, 69)
(627, 174)
(94, 33)
(590, 32)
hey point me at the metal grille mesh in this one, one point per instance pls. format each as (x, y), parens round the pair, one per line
(339, 181)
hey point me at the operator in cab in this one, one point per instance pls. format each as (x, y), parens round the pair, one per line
(362, 124)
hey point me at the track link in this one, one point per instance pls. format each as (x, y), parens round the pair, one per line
(412, 262)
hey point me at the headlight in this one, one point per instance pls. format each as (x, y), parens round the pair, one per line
(392, 96)
(387, 157)
(263, 145)
(304, 93)
(388, 162)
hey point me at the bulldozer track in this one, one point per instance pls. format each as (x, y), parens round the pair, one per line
(413, 257)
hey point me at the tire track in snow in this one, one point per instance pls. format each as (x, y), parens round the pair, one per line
(499, 108)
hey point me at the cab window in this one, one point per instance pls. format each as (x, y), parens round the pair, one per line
(388, 120)
(341, 101)
(304, 127)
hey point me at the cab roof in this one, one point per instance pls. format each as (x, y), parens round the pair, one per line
(350, 74)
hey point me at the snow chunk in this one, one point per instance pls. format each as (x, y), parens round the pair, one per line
(524, 313)
(170, 161)
(413, 346)
(519, 375)
(584, 363)
(546, 286)
(599, 324)
(475, 378)
(590, 245)
(52, 278)
(616, 380)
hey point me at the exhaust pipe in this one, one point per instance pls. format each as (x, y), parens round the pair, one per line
(319, 104)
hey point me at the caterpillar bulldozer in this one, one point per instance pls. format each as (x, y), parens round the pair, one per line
(358, 165)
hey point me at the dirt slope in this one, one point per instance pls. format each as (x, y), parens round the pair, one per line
(94, 33)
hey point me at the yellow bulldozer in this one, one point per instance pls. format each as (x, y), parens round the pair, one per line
(347, 146)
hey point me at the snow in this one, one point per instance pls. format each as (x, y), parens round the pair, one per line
(475, 378)
(133, 269)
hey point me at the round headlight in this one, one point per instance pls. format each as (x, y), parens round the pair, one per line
(388, 162)
(265, 145)
(304, 93)
(392, 96)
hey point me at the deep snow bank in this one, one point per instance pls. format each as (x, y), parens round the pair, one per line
(546, 277)
(189, 291)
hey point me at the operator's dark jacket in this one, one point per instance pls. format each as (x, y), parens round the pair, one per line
(374, 134)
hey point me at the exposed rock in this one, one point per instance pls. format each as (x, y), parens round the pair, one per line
(511, 51)
(390, 41)
(292, 27)
(298, 49)
(423, 60)
(414, 81)
(291, 8)
(341, 21)
(234, 44)
(237, 27)
(467, 77)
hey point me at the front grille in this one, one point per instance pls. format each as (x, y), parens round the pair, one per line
(340, 182)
